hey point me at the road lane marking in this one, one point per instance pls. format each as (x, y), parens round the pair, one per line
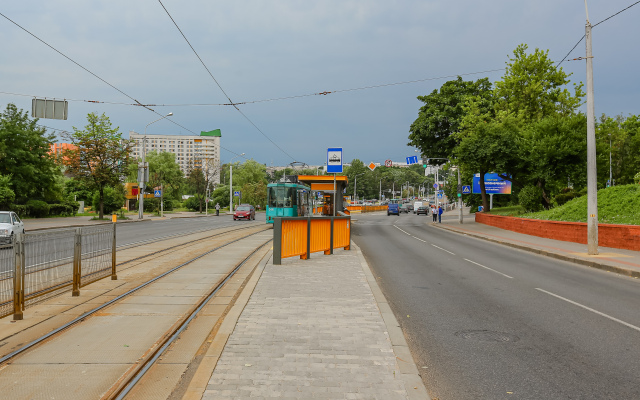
(490, 269)
(415, 237)
(438, 247)
(592, 310)
(402, 230)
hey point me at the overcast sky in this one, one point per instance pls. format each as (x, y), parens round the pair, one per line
(260, 50)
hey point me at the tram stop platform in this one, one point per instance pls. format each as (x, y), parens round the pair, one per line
(316, 328)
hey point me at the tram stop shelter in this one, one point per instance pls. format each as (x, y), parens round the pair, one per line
(324, 184)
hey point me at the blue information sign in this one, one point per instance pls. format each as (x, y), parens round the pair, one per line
(334, 160)
(412, 160)
(157, 193)
(236, 193)
(466, 189)
(493, 184)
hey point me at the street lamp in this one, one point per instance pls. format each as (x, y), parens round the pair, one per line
(143, 168)
(231, 182)
(355, 184)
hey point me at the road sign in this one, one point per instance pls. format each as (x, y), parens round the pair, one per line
(371, 166)
(236, 193)
(334, 160)
(466, 189)
(157, 193)
(52, 109)
(435, 185)
(439, 195)
(388, 163)
(412, 160)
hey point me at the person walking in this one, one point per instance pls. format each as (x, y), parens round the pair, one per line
(440, 211)
(217, 209)
(434, 213)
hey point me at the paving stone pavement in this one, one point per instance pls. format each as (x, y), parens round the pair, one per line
(311, 329)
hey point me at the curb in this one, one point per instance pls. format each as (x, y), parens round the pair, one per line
(408, 369)
(575, 260)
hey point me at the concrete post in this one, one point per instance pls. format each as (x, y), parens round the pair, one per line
(18, 277)
(114, 275)
(77, 263)
(592, 184)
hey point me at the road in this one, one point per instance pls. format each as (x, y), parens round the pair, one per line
(485, 321)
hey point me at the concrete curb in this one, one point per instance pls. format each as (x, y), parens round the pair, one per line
(408, 368)
(559, 256)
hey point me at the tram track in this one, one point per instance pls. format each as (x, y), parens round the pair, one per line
(158, 348)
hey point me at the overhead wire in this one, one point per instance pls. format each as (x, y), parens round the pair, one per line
(219, 86)
(101, 79)
(593, 26)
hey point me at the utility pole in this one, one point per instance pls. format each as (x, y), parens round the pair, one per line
(460, 218)
(592, 188)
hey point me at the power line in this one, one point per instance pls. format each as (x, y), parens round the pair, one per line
(137, 103)
(220, 87)
(593, 26)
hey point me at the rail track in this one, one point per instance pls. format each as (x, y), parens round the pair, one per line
(136, 371)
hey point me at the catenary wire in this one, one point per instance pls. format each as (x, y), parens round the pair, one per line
(214, 79)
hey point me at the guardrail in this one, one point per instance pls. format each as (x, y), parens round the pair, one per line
(37, 266)
(301, 236)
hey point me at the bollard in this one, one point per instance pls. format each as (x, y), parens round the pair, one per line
(277, 241)
(114, 276)
(77, 263)
(18, 277)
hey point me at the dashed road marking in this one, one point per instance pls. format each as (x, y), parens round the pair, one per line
(490, 269)
(402, 231)
(438, 247)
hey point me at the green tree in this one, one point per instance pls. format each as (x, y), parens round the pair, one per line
(197, 183)
(100, 157)
(112, 199)
(24, 155)
(165, 172)
(7, 196)
(442, 114)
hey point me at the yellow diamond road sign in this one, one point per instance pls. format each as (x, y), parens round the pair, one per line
(372, 166)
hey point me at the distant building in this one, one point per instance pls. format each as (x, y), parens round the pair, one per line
(192, 152)
(56, 148)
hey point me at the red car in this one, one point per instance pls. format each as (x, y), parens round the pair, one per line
(245, 211)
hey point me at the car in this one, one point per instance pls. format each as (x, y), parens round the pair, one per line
(422, 210)
(10, 224)
(393, 208)
(405, 208)
(244, 211)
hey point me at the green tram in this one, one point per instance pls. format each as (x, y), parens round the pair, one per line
(287, 199)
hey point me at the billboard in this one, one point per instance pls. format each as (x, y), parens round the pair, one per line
(493, 184)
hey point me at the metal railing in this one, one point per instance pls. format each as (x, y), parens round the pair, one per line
(40, 265)
(301, 236)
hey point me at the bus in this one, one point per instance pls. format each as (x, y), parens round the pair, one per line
(287, 199)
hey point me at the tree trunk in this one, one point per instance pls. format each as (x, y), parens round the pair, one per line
(483, 191)
(101, 202)
(546, 202)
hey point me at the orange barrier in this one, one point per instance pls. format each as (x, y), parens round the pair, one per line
(366, 208)
(301, 236)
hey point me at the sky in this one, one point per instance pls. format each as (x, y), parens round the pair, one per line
(288, 51)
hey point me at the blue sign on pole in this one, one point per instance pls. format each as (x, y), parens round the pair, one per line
(466, 189)
(412, 160)
(435, 185)
(236, 193)
(439, 195)
(334, 160)
(157, 193)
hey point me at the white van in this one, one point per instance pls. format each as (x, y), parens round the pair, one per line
(417, 204)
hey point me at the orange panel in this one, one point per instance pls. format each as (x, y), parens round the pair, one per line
(341, 233)
(320, 235)
(294, 238)
(322, 186)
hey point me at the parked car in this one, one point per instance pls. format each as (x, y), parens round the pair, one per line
(422, 210)
(393, 208)
(10, 224)
(245, 211)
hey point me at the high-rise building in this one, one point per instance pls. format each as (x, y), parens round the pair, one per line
(192, 152)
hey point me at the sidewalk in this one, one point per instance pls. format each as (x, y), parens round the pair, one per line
(317, 328)
(625, 262)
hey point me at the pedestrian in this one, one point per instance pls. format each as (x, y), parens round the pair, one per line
(217, 209)
(434, 213)
(440, 211)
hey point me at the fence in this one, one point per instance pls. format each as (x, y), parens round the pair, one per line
(301, 236)
(40, 265)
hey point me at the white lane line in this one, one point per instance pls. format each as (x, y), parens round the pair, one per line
(419, 239)
(402, 230)
(490, 269)
(438, 247)
(592, 310)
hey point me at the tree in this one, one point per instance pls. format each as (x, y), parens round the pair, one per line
(24, 155)
(440, 117)
(7, 196)
(198, 184)
(165, 172)
(100, 157)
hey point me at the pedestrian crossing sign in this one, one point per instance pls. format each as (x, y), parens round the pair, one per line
(466, 189)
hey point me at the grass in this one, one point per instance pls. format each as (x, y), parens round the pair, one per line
(616, 205)
(511, 211)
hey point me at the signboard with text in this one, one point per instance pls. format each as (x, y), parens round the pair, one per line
(334, 160)
(493, 184)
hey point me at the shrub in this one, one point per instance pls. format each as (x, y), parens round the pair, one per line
(37, 208)
(19, 209)
(193, 203)
(530, 197)
(7, 196)
(636, 178)
(112, 202)
(168, 204)
(566, 195)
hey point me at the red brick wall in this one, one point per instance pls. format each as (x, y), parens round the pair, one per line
(609, 235)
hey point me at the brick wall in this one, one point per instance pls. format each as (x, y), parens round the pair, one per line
(609, 235)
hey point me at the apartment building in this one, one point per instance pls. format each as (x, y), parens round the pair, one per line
(192, 152)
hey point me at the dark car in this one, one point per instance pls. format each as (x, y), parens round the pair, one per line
(405, 208)
(245, 211)
(422, 210)
(393, 208)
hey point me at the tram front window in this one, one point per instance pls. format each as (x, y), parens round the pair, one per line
(281, 197)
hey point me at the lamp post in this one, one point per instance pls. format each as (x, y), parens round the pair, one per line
(231, 182)
(142, 169)
(355, 184)
(592, 184)
(610, 173)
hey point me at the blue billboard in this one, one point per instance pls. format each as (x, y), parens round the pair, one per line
(493, 184)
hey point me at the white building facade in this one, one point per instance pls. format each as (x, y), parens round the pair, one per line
(192, 152)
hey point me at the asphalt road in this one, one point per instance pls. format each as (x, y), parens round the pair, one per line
(485, 321)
